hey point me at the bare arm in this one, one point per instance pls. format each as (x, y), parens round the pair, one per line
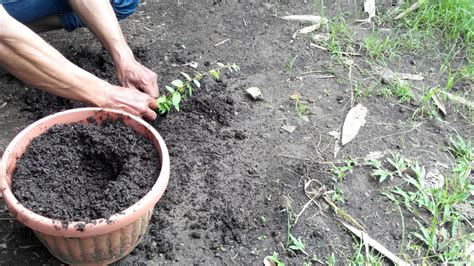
(100, 18)
(27, 56)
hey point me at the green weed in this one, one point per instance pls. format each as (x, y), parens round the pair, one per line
(301, 109)
(275, 258)
(378, 47)
(442, 227)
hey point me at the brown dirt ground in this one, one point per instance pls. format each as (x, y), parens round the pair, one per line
(232, 164)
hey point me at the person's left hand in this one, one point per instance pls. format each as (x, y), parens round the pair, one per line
(134, 75)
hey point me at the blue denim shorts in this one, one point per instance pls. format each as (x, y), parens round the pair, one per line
(27, 11)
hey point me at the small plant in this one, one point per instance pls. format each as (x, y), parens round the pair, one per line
(293, 243)
(399, 163)
(331, 260)
(341, 171)
(291, 63)
(275, 258)
(301, 109)
(183, 89)
(379, 171)
(296, 244)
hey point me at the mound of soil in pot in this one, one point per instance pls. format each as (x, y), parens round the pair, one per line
(79, 172)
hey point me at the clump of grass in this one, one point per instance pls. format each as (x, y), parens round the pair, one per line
(340, 38)
(378, 47)
(399, 90)
(442, 231)
(453, 17)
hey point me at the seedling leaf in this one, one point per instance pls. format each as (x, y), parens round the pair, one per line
(177, 83)
(214, 74)
(197, 83)
(176, 99)
(186, 76)
(170, 89)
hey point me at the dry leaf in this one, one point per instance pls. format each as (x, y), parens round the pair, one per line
(288, 128)
(309, 29)
(376, 245)
(408, 76)
(306, 19)
(335, 134)
(439, 104)
(355, 119)
(369, 7)
(459, 99)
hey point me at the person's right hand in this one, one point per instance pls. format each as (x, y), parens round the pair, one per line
(132, 101)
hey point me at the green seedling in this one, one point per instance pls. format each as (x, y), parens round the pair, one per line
(293, 243)
(181, 89)
(301, 109)
(331, 260)
(379, 171)
(296, 244)
(291, 63)
(275, 258)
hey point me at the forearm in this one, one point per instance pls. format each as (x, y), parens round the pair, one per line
(28, 57)
(100, 18)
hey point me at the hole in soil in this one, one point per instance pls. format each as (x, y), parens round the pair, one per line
(102, 165)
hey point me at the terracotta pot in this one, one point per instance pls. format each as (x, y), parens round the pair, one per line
(101, 242)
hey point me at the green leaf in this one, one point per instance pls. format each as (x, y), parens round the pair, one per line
(197, 83)
(177, 83)
(214, 73)
(276, 259)
(170, 89)
(161, 99)
(176, 99)
(186, 76)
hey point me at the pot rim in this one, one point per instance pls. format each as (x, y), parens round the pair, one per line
(95, 227)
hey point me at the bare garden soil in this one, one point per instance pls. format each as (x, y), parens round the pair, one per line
(234, 171)
(80, 173)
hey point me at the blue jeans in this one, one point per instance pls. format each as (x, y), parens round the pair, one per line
(27, 11)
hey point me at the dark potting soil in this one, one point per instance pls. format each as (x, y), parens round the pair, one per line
(80, 172)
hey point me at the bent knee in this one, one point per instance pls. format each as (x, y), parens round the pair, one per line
(124, 8)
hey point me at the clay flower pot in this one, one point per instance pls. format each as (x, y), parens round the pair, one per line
(103, 241)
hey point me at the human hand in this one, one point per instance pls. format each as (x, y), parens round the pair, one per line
(132, 101)
(132, 74)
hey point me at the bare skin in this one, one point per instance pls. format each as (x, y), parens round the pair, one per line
(27, 56)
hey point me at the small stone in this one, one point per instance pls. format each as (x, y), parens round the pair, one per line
(196, 235)
(3, 246)
(339, 99)
(212, 10)
(387, 76)
(230, 100)
(240, 135)
(254, 93)
(311, 100)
